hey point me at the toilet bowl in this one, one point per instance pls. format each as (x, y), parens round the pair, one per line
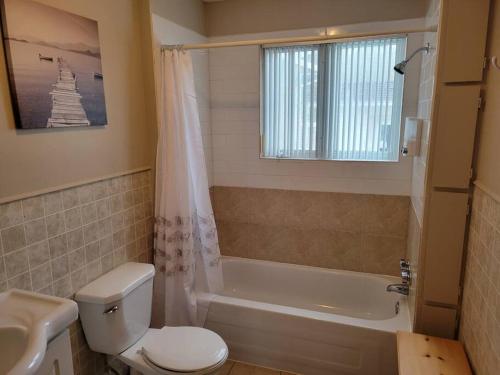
(193, 350)
(115, 310)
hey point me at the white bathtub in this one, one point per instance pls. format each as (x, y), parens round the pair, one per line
(308, 320)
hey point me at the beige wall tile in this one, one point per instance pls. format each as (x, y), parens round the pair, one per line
(55, 224)
(16, 263)
(33, 208)
(73, 218)
(41, 276)
(10, 214)
(38, 253)
(333, 230)
(57, 246)
(13, 238)
(480, 315)
(53, 203)
(57, 265)
(70, 198)
(35, 231)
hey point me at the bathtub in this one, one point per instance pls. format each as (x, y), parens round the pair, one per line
(308, 320)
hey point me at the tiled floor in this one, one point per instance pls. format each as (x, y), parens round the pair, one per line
(239, 368)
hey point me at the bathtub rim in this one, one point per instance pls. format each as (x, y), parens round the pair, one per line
(399, 322)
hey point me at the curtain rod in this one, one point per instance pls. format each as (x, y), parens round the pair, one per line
(316, 38)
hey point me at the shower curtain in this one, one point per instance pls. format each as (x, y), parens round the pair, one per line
(187, 256)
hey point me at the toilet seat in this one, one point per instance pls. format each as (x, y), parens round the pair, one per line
(177, 350)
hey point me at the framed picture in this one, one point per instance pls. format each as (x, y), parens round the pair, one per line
(54, 66)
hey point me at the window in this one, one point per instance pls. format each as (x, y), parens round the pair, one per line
(334, 101)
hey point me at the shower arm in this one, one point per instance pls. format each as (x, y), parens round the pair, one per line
(427, 49)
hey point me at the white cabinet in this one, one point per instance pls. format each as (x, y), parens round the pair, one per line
(455, 131)
(58, 358)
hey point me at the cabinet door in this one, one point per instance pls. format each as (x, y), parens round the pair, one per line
(438, 321)
(465, 25)
(444, 247)
(455, 130)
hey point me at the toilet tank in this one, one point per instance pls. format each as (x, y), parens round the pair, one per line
(115, 309)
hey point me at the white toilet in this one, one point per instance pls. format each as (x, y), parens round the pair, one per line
(115, 311)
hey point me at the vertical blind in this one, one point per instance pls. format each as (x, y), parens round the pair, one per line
(336, 101)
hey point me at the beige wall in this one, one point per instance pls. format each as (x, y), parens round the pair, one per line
(42, 159)
(488, 169)
(242, 16)
(186, 13)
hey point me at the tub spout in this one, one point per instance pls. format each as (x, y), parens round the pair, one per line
(398, 288)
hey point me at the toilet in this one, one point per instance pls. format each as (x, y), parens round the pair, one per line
(115, 310)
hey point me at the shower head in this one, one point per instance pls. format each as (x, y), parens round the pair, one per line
(401, 67)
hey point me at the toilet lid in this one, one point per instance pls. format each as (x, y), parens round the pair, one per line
(184, 349)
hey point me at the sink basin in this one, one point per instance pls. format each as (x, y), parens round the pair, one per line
(28, 321)
(14, 342)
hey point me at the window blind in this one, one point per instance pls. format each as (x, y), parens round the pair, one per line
(336, 101)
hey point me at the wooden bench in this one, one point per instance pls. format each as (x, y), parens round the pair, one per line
(428, 355)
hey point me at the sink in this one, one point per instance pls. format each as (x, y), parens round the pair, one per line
(28, 321)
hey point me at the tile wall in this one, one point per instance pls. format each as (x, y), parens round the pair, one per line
(356, 232)
(425, 97)
(235, 122)
(480, 316)
(58, 242)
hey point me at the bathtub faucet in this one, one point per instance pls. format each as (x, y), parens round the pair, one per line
(404, 287)
(398, 288)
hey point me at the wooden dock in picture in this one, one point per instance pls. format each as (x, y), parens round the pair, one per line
(67, 109)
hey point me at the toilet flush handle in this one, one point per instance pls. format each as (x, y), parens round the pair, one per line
(111, 310)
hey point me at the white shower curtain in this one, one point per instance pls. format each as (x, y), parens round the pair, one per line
(187, 256)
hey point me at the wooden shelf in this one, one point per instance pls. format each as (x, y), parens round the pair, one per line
(428, 355)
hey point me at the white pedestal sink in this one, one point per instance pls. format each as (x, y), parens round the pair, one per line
(28, 321)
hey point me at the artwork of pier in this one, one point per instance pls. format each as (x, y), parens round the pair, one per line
(67, 109)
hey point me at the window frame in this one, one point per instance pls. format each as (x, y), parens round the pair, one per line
(321, 86)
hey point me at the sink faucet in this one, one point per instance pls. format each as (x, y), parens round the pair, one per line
(404, 287)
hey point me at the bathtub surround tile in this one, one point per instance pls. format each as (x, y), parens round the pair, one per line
(333, 230)
(413, 254)
(480, 315)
